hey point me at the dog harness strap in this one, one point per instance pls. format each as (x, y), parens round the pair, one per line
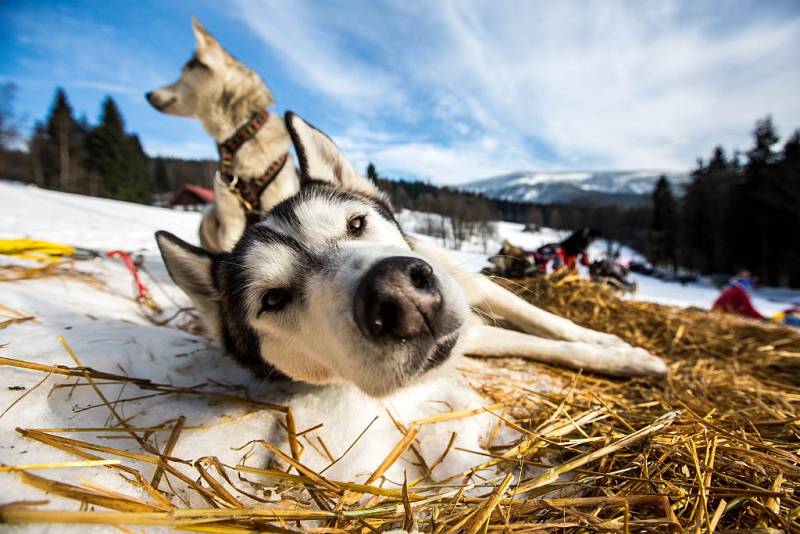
(230, 146)
(247, 191)
(245, 132)
(251, 189)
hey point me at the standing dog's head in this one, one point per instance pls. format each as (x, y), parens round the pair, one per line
(213, 86)
(326, 288)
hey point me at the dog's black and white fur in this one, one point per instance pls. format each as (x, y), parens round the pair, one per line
(327, 289)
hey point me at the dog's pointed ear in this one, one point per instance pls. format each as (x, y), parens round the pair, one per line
(190, 268)
(320, 159)
(208, 48)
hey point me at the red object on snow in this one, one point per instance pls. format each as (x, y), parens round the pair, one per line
(192, 195)
(735, 300)
(142, 294)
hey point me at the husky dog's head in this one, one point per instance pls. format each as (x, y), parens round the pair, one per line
(326, 287)
(213, 87)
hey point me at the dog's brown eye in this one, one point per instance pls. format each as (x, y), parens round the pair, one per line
(357, 225)
(275, 299)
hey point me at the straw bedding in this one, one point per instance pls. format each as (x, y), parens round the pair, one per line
(713, 448)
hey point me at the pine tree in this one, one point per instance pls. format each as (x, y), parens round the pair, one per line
(765, 136)
(372, 174)
(105, 148)
(790, 178)
(160, 177)
(9, 132)
(721, 176)
(81, 178)
(141, 180)
(754, 202)
(695, 240)
(60, 127)
(663, 228)
(118, 158)
(41, 156)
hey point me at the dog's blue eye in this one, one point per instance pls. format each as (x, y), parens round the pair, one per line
(357, 225)
(275, 299)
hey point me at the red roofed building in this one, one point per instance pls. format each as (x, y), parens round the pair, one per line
(192, 197)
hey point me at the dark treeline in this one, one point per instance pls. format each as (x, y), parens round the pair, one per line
(68, 153)
(738, 215)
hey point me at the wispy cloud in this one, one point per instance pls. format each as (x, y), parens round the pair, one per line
(185, 149)
(493, 87)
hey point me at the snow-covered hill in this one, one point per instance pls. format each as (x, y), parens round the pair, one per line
(618, 187)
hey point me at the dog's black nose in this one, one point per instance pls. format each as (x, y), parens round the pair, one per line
(398, 299)
(150, 96)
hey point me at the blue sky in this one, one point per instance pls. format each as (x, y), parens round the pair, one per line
(444, 91)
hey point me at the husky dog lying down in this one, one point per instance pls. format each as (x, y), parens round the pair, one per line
(331, 283)
(327, 289)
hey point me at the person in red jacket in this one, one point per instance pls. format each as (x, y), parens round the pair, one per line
(575, 246)
(735, 298)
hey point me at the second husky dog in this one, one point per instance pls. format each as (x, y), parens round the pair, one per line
(256, 171)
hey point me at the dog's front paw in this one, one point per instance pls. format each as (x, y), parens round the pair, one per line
(641, 363)
(621, 358)
(602, 339)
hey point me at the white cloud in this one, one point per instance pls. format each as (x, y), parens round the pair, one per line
(107, 87)
(444, 164)
(184, 149)
(592, 84)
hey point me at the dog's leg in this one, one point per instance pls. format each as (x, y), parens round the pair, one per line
(494, 300)
(490, 341)
(230, 217)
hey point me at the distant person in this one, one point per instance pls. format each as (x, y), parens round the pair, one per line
(546, 255)
(735, 298)
(577, 246)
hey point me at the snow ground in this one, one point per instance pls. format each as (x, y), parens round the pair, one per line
(108, 332)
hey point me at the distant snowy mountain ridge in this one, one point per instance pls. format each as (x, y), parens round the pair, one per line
(605, 187)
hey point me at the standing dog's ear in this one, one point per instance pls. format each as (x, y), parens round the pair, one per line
(190, 268)
(320, 159)
(209, 51)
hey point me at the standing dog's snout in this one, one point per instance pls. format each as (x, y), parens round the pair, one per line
(398, 298)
